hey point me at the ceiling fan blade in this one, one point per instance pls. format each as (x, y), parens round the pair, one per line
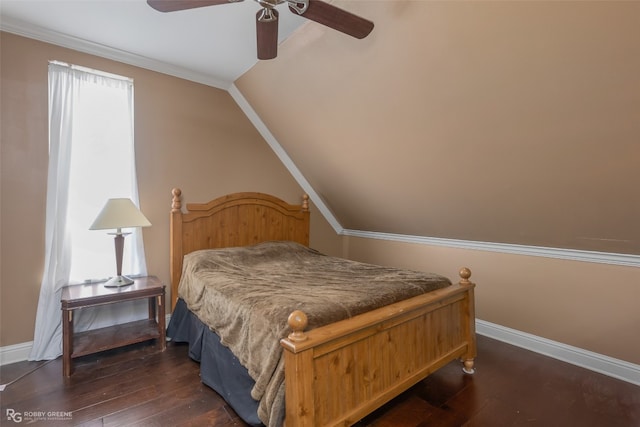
(174, 5)
(334, 17)
(267, 33)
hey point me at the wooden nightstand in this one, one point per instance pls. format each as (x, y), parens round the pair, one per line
(90, 295)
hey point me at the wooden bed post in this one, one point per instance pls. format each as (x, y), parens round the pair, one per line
(175, 244)
(304, 239)
(469, 359)
(300, 394)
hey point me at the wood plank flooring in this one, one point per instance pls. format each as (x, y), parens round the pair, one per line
(138, 386)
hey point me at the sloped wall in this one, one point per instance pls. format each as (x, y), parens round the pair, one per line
(512, 122)
(509, 122)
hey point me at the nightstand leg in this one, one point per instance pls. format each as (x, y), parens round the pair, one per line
(152, 308)
(67, 342)
(161, 322)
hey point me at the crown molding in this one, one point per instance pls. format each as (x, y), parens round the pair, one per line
(539, 251)
(555, 253)
(35, 32)
(284, 157)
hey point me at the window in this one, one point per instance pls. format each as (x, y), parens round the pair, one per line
(102, 166)
(91, 159)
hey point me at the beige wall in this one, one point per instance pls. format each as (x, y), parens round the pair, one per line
(187, 135)
(586, 305)
(494, 121)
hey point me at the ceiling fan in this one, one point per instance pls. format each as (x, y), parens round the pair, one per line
(267, 18)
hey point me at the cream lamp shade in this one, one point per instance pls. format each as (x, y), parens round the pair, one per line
(119, 214)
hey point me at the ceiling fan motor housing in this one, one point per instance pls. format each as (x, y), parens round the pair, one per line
(267, 18)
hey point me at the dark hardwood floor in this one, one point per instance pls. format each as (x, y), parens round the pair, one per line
(139, 386)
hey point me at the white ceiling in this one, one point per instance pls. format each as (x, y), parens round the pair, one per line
(213, 45)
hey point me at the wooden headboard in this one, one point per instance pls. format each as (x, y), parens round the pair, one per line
(237, 219)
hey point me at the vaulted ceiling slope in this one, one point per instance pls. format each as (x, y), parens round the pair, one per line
(510, 122)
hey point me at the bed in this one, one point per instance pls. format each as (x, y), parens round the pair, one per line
(294, 360)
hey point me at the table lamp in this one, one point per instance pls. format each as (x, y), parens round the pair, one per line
(119, 214)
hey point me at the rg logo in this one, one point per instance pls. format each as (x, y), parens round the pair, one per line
(14, 416)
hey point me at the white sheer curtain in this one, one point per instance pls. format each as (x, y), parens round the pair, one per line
(91, 159)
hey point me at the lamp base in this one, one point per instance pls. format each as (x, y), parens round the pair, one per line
(118, 281)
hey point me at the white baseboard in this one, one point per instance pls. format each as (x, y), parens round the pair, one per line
(606, 365)
(596, 362)
(15, 353)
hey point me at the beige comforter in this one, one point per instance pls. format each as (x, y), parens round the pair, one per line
(246, 294)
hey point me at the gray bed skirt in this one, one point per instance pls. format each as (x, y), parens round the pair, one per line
(219, 368)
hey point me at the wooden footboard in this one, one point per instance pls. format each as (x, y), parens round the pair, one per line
(337, 374)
